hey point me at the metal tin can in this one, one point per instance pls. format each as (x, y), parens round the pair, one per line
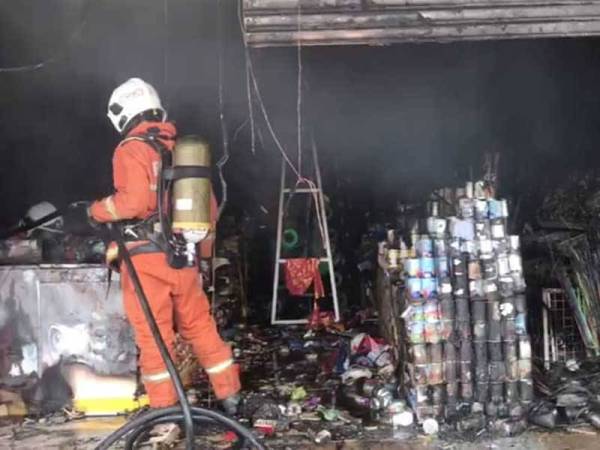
(503, 266)
(459, 266)
(520, 302)
(429, 287)
(508, 329)
(431, 311)
(462, 309)
(466, 391)
(489, 269)
(469, 246)
(474, 269)
(524, 347)
(450, 368)
(438, 394)
(417, 312)
(480, 331)
(500, 246)
(511, 389)
(435, 353)
(494, 209)
(416, 332)
(518, 282)
(526, 390)
(481, 391)
(506, 286)
(514, 242)
(466, 351)
(463, 329)
(452, 391)
(427, 267)
(476, 289)
(412, 266)
(414, 287)
(478, 310)
(490, 287)
(481, 355)
(524, 368)
(447, 309)
(419, 352)
(496, 392)
(515, 262)
(436, 226)
(424, 247)
(486, 247)
(446, 329)
(483, 230)
(441, 267)
(432, 332)
(481, 209)
(466, 208)
(494, 330)
(439, 248)
(497, 371)
(435, 374)
(444, 288)
(495, 351)
(521, 324)
(511, 361)
(460, 287)
(507, 308)
(420, 374)
(498, 229)
(453, 247)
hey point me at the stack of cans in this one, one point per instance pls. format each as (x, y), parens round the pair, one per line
(466, 319)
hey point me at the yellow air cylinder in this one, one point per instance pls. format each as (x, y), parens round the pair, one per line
(191, 195)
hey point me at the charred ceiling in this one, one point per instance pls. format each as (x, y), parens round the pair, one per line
(268, 23)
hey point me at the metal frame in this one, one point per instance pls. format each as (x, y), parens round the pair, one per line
(327, 244)
(556, 312)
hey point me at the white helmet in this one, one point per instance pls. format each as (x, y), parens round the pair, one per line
(130, 99)
(39, 211)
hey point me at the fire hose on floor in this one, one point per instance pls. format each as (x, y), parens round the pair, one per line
(138, 429)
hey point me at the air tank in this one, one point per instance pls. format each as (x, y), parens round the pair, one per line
(191, 195)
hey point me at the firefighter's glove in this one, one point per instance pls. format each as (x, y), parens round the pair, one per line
(77, 220)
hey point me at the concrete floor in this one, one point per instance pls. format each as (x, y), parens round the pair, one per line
(85, 435)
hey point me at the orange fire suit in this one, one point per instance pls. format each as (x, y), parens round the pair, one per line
(175, 295)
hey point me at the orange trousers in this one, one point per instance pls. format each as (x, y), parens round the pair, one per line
(177, 301)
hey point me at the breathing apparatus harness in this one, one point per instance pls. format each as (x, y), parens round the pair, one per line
(158, 229)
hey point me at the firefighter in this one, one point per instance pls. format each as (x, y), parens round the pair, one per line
(175, 294)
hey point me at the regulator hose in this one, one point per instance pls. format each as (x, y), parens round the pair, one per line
(139, 428)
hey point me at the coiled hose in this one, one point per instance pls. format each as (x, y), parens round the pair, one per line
(138, 429)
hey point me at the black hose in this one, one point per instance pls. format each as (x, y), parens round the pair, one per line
(140, 426)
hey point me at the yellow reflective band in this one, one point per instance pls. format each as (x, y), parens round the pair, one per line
(219, 367)
(192, 225)
(111, 208)
(156, 377)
